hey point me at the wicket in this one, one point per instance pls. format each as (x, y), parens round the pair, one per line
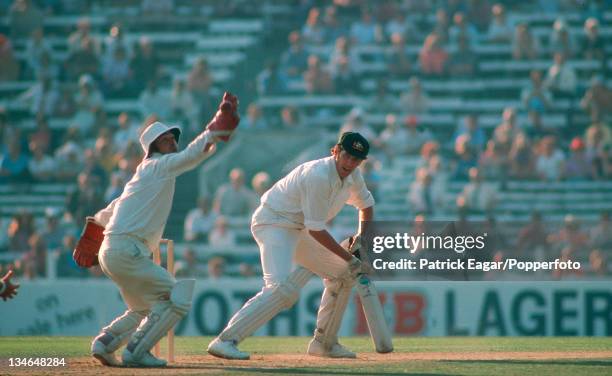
(170, 266)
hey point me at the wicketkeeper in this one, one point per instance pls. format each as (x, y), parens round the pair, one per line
(290, 229)
(130, 227)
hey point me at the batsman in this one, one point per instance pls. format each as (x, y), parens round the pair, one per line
(289, 227)
(130, 227)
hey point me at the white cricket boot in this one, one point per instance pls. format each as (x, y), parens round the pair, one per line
(146, 360)
(99, 351)
(316, 348)
(226, 350)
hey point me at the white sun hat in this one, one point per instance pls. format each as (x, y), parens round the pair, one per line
(155, 130)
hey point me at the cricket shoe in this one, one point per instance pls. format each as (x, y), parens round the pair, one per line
(316, 348)
(145, 361)
(98, 351)
(226, 350)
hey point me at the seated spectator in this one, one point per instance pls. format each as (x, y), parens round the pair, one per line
(86, 199)
(432, 57)
(127, 131)
(560, 40)
(35, 259)
(414, 138)
(153, 101)
(46, 67)
(156, 9)
(535, 96)
(597, 97)
(598, 263)
(578, 166)
(399, 61)
(290, 118)
(466, 158)
(469, 126)
(525, 45)
(69, 157)
(200, 80)
(549, 160)
(116, 39)
(65, 265)
(370, 171)
(116, 74)
(561, 79)
(314, 31)
(83, 61)
(462, 29)
(20, 229)
(24, 16)
(144, 65)
(42, 98)
(505, 133)
(189, 266)
(382, 101)
(442, 25)
(493, 162)
(477, 197)
(463, 62)
(592, 44)
(88, 101)
(332, 25)
(221, 236)
(415, 101)
(421, 194)
(41, 166)
(569, 238)
(366, 30)
(53, 233)
(345, 80)
(199, 221)
(216, 267)
(532, 236)
(294, 60)
(601, 235)
(317, 79)
(9, 66)
(439, 181)
(271, 81)
(355, 122)
(183, 107)
(260, 183)
(83, 32)
(521, 158)
(254, 120)
(429, 151)
(597, 138)
(500, 28)
(115, 189)
(104, 152)
(391, 139)
(233, 198)
(93, 167)
(14, 165)
(35, 48)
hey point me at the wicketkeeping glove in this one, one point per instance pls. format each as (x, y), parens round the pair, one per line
(226, 119)
(86, 251)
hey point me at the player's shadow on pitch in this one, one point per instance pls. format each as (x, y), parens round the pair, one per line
(559, 362)
(301, 371)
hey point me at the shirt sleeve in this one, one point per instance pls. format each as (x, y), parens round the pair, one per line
(315, 196)
(359, 195)
(103, 216)
(175, 164)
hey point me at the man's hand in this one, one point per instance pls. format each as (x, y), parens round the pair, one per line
(226, 119)
(10, 289)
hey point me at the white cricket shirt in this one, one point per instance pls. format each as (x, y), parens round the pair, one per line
(143, 208)
(313, 193)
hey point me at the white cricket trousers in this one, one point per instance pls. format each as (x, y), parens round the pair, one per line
(142, 283)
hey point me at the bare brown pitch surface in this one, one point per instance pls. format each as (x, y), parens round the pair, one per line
(207, 365)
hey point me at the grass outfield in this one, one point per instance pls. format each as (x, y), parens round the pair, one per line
(285, 356)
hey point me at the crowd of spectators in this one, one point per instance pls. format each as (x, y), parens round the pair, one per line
(97, 154)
